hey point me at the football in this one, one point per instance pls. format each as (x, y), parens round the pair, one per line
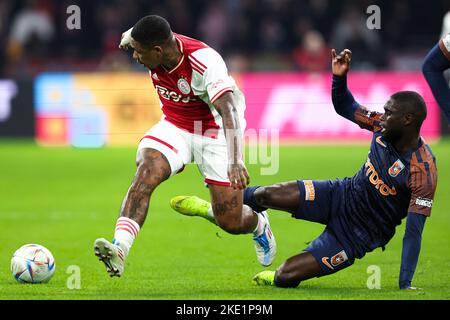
(32, 263)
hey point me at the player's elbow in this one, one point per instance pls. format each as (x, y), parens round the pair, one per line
(338, 103)
(339, 110)
(225, 105)
(427, 67)
(430, 67)
(225, 111)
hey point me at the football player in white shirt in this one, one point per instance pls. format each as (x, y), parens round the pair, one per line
(203, 122)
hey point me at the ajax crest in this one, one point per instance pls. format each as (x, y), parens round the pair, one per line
(183, 85)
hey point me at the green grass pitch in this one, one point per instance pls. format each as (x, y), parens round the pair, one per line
(65, 198)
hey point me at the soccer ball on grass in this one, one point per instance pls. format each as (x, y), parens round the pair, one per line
(32, 263)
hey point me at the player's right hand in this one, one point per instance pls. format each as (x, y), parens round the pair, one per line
(125, 40)
(340, 63)
(238, 175)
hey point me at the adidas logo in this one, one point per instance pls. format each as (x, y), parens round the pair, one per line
(155, 76)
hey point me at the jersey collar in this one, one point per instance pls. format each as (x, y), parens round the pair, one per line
(407, 154)
(180, 61)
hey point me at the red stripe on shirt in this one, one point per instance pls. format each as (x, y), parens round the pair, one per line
(220, 93)
(193, 63)
(198, 62)
(196, 69)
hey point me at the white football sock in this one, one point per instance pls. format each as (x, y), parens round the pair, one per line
(260, 226)
(126, 231)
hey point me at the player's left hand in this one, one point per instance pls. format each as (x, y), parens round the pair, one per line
(340, 63)
(238, 175)
(125, 40)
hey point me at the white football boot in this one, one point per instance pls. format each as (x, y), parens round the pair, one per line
(111, 255)
(265, 244)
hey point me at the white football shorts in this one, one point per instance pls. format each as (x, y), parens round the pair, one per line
(181, 147)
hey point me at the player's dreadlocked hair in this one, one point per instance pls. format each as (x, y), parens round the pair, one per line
(412, 102)
(151, 30)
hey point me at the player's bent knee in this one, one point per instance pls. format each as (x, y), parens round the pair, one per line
(285, 279)
(148, 176)
(139, 160)
(140, 157)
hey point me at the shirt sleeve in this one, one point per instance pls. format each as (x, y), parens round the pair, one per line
(216, 78)
(367, 119)
(423, 178)
(434, 65)
(345, 105)
(411, 248)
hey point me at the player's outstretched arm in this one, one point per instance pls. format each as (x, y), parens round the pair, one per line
(237, 173)
(434, 65)
(411, 249)
(343, 101)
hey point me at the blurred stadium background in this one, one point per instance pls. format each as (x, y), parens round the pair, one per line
(255, 37)
(74, 88)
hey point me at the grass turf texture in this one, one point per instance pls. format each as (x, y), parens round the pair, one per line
(65, 198)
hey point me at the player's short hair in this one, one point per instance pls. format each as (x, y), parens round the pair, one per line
(151, 30)
(411, 102)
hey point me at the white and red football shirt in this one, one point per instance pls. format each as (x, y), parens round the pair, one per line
(188, 91)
